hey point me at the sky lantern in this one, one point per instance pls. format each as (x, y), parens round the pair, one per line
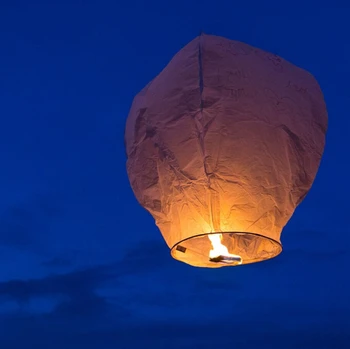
(222, 146)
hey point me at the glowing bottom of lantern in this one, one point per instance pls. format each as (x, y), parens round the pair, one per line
(232, 249)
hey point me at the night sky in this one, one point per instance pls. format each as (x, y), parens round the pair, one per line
(82, 263)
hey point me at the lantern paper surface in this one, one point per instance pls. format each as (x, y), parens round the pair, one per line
(226, 140)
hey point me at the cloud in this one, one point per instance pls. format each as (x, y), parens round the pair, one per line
(77, 290)
(72, 284)
(168, 304)
(21, 225)
(58, 262)
(145, 256)
(36, 334)
(17, 225)
(67, 296)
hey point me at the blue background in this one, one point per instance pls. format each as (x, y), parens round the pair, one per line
(82, 265)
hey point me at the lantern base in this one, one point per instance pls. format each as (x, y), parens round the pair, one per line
(250, 247)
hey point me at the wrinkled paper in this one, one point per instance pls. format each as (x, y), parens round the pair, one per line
(227, 138)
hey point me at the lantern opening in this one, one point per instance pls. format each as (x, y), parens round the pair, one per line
(215, 250)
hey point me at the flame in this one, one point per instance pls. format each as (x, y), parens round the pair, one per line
(221, 250)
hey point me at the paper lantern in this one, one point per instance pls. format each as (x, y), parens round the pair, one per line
(222, 146)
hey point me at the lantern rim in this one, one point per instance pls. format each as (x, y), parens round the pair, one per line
(201, 259)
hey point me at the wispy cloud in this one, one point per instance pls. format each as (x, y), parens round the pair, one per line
(39, 335)
(104, 305)
(73, 285)
(58, 262)
(22, 225)
(76, 289)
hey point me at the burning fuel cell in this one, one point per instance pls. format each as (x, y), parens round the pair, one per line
(219, 253)
(222, 146)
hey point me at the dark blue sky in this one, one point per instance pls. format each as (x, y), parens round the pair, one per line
(82, 264)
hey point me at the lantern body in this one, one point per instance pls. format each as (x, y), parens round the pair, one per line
(226, 139)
